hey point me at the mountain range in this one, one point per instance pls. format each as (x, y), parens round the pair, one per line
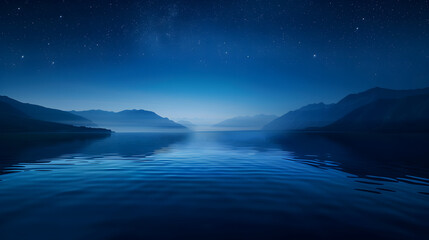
(47, 114)
(130, 120)
(13, 120)
(409, 114)
(317, 116)
(16, 116)
(246, 122)
(187, 124)
(377, 109)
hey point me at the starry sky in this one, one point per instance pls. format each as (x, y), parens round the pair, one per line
(199, 59)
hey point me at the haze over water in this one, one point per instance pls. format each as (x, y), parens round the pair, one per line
(212, 185)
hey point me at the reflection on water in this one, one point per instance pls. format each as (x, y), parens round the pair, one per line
(215, 185)
(387, 155)
(28, 148)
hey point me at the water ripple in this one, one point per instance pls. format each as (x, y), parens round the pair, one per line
(207, 180)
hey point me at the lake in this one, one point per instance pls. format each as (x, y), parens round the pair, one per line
(214, 185)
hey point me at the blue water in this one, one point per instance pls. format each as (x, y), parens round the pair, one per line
(214, 185)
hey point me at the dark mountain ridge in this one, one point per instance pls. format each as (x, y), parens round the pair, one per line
(47, 114)
(131, 120)
(13, 120)
(320, 115)
(408, 114)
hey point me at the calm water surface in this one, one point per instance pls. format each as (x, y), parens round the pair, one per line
(214, 185)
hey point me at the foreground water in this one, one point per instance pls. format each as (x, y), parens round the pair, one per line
(224, 185)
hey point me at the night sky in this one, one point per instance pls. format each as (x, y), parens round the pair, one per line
(208, 59)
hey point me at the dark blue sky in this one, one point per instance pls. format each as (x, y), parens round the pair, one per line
(208, 59)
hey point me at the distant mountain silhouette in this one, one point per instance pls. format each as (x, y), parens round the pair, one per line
(187, 124)
(320, 115)
(131, 120)
(246, 122)
(409, 114)
(47, 114)
(13, 120)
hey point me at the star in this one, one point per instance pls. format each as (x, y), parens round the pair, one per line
(22, 57)
(314, 55)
